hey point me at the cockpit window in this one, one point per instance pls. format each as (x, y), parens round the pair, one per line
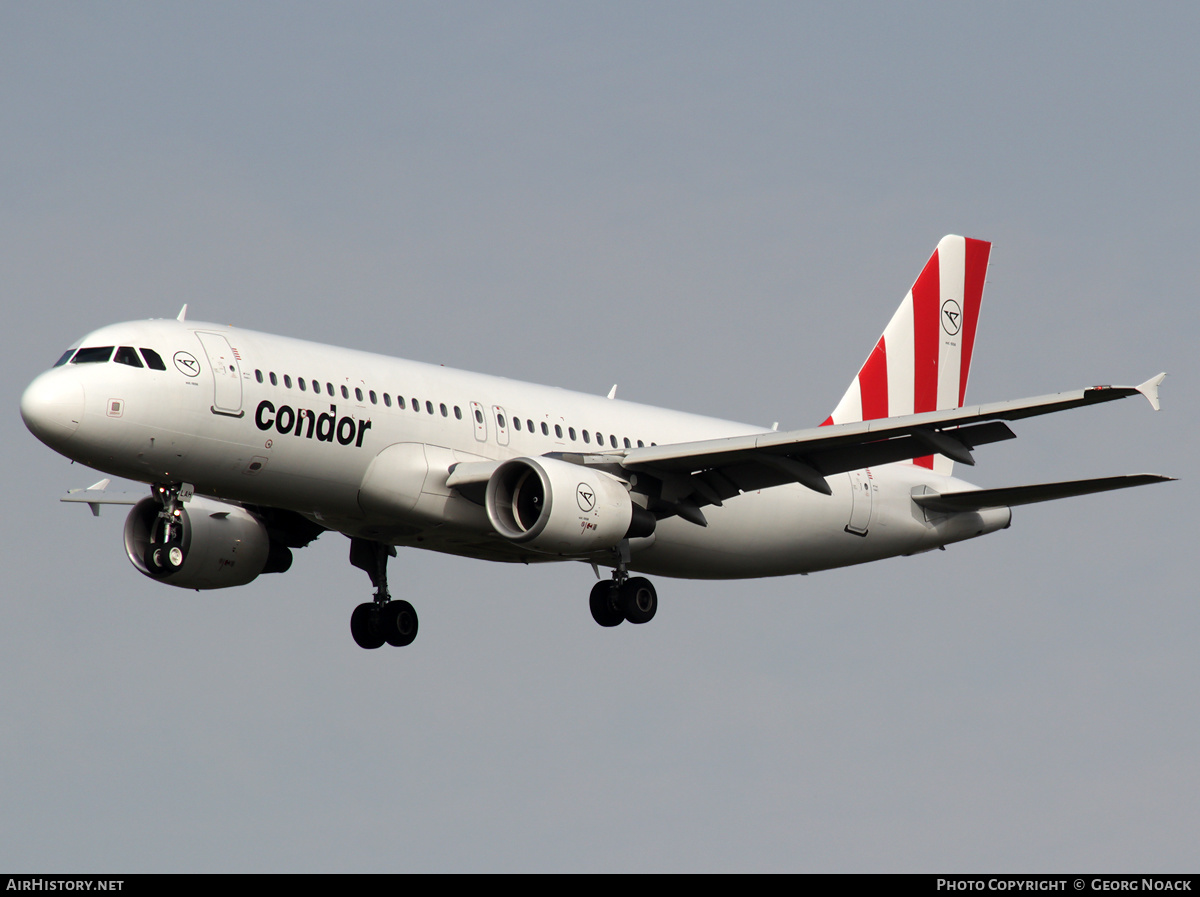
(128, 355)
(153, 360)
(93, 354)
(66, 356)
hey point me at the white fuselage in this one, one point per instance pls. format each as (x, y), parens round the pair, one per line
(229, 416)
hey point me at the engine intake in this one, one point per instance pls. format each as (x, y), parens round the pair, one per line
(562, 508)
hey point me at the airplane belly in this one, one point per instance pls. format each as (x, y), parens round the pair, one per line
(775, 532)
(791, 529)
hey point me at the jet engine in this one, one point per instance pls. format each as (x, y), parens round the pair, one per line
(562, 508)
(213, 545)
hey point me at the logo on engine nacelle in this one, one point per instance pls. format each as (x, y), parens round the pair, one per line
(586, 496)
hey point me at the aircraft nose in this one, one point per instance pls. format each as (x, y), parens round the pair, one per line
(52, 407)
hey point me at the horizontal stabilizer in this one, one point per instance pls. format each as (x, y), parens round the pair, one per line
(979, 499)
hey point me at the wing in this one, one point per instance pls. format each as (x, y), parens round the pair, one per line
(695, 474)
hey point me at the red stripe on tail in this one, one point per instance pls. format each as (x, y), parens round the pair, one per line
(927, 299)
(873, 383)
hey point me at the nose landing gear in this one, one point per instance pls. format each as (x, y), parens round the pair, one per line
(165, 554)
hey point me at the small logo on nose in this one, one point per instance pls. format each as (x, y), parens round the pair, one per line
(187, 364)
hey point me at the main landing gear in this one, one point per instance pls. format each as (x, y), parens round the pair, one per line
(381, 620)
(623, 597)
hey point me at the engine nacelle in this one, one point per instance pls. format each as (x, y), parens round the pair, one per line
(561, 508)
(219, 545)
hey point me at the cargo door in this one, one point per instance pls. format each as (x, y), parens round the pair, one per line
(861, 502)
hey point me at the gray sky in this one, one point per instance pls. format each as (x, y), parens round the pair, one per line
(717, 206)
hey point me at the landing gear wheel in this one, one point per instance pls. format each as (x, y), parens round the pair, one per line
(164, 558)
(603, 601)
(638, 600)
(156, 560)
(398, 622)
(364, 626)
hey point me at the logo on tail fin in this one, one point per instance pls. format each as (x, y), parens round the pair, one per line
(951, 317)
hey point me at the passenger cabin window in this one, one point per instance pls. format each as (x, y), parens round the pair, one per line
(127, 355)
(329, 388)
(258, 376)
(400, 402)
(558, 431)
(300, 383)
(458, 412)
(416, 405)
(387, 400)
(287, 380)
(92, 355)
(442, 408)
(545, 429)
(374, 401)
(516, 423)
(345, 392)
(274, 380)
(571, 433)
(429, 406)
(358, 393)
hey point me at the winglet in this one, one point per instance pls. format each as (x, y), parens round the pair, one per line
(1150, 390)
(182, 313)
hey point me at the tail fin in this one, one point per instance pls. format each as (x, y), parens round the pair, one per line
(922, 360)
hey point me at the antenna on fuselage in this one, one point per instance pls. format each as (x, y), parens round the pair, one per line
(182, 313)
(612, 393)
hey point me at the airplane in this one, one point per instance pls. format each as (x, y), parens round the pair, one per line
(255, 444)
